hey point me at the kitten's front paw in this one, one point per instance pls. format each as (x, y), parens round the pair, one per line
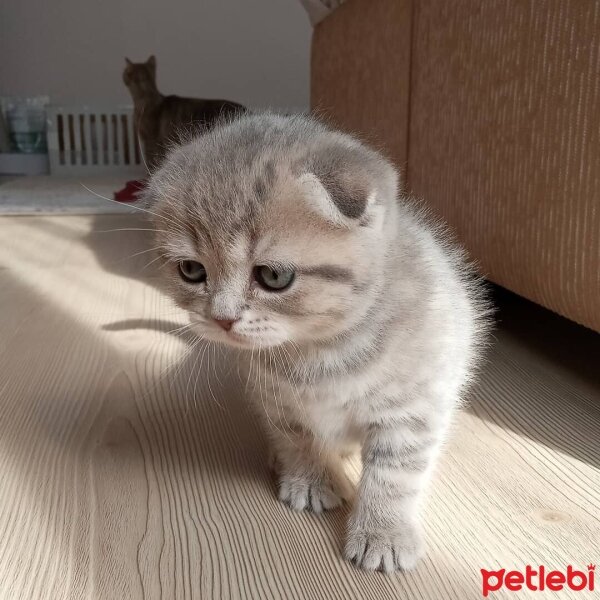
(385, 550)
(299, 494)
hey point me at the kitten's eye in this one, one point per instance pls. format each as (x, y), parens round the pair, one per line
(192, 271)
(273, 280)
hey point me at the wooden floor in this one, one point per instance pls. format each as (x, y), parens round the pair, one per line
(131, 469)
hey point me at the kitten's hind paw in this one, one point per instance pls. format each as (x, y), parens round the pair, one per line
(385, 551)
(315, 496)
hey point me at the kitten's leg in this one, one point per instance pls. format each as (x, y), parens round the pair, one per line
(383, 531)
(305, 477)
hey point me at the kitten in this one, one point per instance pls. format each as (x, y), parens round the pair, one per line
(160, 119)
(290, 242)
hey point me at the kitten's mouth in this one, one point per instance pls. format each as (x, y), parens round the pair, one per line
(245, 341)
(232, 337)
(237, 338)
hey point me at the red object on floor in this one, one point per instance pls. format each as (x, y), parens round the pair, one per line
(131, 191)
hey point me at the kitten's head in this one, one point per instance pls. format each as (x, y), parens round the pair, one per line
(273, 230)
(140, 77)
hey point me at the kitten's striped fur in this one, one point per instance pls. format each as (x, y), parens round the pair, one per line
(373, 343)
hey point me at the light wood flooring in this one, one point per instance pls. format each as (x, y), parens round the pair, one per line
(129, 471)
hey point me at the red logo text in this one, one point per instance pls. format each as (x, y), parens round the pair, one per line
(538, 580)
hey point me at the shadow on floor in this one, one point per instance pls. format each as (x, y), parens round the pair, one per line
(541, 378)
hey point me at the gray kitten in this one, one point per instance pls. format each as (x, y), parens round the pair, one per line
(360, 325)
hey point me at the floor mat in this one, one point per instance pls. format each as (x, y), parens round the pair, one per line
(48, 194)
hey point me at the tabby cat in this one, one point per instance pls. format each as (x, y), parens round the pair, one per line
(160, 120)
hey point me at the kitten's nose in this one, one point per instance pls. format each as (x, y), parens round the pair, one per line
(225, 323)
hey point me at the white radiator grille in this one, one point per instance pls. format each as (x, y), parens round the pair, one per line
(88, 140)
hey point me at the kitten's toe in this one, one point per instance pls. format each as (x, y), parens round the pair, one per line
(386, 551)
(315, 496)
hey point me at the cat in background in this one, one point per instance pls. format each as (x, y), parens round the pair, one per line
(357, 320)
(161, 119)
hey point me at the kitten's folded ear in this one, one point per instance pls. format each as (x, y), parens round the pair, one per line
(345, 184)
(128, 61)
(151, 62)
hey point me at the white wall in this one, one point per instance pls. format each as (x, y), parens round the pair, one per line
(252, 51)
